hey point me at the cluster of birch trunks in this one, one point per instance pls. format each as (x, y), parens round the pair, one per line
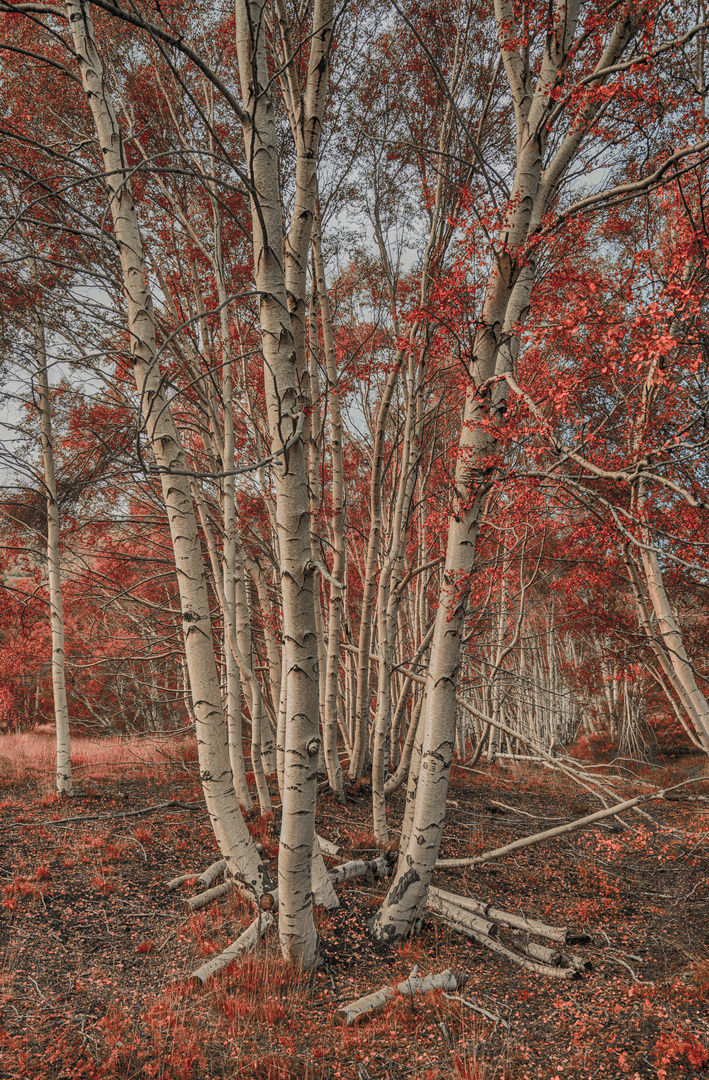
(383, 641)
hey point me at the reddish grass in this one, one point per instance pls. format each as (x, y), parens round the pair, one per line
(28, 754)
(95, 953)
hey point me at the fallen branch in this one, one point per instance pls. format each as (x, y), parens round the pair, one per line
(415, 984)
(127, 813)
(244, 944)
(514, 810)
(559, 830)
(640, 982)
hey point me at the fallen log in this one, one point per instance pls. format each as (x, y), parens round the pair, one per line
(415, 984)
(510, 919)
(448, 909)
(195, 903)
(245, 943)
(543, 953)
(529, 964)
(378, 867)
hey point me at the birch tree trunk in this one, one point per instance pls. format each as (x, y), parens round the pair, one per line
(233, 680)
(334, 621)
(282, 321)
(496, 344)
(56, 610)
(235, 842)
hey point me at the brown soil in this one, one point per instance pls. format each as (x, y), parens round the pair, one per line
(96, 953)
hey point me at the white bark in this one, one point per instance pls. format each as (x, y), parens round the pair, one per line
(334, 622)
(162, 437)
(496, 344)
(283, 344)
(681, 668)
(415, 984)
(56, 611)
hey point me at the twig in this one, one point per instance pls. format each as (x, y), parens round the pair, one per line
(478, 1008)
(514, 810)
(641, 982)
(34, 983)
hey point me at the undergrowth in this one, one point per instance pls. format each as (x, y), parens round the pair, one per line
(96, 954)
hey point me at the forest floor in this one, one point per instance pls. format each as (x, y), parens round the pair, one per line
(96, 953)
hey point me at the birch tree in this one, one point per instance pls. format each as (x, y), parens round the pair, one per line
(234, 840)
(56, 609)
(541, 164)
(280, 264)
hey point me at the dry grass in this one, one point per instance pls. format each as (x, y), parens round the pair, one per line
(31, 754)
